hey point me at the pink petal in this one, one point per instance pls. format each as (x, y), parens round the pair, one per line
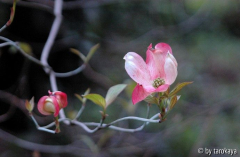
(61, 98)
(170, 68)
(137, 68)
(155, 62)
(162, 88)
(41, 104)
(163, 47)
(139, 94)
(151, 89)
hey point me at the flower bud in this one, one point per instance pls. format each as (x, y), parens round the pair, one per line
(53, 103)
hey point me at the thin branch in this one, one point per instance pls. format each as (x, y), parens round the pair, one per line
(53, 32)
(8, 114)
(71, 73)
(101, 125)
(40, 147)
(67, 74)
(125, 129)
(12, 43)
(41, 128)
(48, 45)
(80, 111)
(3, 27)
(98, 78)
(134, 118)
(12, 14)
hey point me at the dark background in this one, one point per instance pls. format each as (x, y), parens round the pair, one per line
(205, 39)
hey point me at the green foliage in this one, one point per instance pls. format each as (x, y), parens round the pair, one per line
(113, 92)
(96, 99)
(151, 99)
(89, 55)
(178, 88)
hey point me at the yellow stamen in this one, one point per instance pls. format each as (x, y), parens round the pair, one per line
(158, 82)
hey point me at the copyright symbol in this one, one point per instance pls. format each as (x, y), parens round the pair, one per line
(200, 150)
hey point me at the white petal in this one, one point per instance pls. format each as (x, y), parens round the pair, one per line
(137, 68)
(170, 68)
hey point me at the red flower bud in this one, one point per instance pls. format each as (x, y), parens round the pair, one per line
(53, 103)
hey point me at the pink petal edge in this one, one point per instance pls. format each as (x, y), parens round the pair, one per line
(163, 47)
(137, 68)
(170, 69)
(62, 98)
(40, 105)
(139, 94)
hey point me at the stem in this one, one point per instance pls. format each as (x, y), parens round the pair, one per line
(80, 112)
(98, 125)
(41, 128)
(57, 130)
(53, 32)
(124, 129)
(47, 47)
(134, 118)
(10, 42)
(3, 27)
(71, 73)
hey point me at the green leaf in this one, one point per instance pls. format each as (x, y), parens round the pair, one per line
(79, 97)
(86, 93)
(151, 99)
(25, 47)
(83, 100)
(97, 99)
(178, 88)
(78, 53)
(30, 105)
(91, 52)
(173, 101)
(113, 92)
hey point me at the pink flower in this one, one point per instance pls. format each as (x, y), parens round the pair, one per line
(155, 75)
(53, 103)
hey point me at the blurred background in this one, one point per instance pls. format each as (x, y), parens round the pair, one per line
(205, 39)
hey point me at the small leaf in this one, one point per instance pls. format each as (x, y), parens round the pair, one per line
(178, 88)
(173, 101)
(178, 97)
(83, 100)
(86, 93)
(113, 92)
(25, 47)
(130, 87)
(91, 52)
(97, 99)
(151, 99)
(76, 52)
(13, 9)
(30, 105)
(79, 97)
(167, 91)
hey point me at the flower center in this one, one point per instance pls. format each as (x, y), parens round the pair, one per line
(158, 82)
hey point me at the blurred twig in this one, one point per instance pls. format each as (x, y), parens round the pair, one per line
(98, 78)
(13, 100)
(12, 14)
(8, 114)
(40, 147)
